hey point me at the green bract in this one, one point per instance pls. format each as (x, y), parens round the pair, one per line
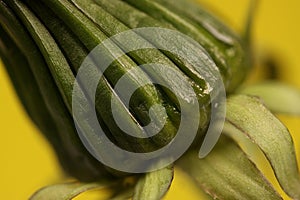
(43, 44)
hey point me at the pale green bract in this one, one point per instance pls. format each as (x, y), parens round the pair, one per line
(248, 116)
(66, 191)
(279, 97)
(154, 185)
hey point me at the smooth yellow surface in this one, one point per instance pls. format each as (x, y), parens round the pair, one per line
(27, 161)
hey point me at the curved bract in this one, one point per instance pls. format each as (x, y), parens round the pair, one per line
(154, 89)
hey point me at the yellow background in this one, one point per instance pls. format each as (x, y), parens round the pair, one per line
(28, 163)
